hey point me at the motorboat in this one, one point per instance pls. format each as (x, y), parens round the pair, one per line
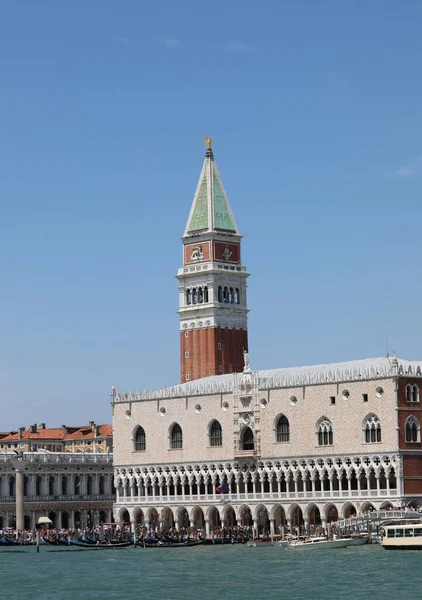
(185, 544)
(360, 540)
(320, 543)
(260, 543)
(402, 536)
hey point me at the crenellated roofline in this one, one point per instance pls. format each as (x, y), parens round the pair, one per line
(358, 370)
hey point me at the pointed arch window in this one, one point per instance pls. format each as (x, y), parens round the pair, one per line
(412, 393)
(325, 433)
(226, 294)
(412, 430)
(282, 429)
(372, 430)
(216, 434)
(188, 297)
(236, 296)
(139, 439)
(200, 295)
(220, 293)
(194, 296)
(247, 439)
(176, 437)
(205, 294)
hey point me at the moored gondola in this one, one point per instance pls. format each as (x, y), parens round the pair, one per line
(100, 546)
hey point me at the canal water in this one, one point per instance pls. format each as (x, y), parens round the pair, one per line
(210, 572)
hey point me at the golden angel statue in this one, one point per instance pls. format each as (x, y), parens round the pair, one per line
(208, 142)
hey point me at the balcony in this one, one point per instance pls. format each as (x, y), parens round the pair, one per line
(61, 457)
(81, 498)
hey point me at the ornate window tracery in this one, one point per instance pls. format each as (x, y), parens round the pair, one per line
(325, 433)
(412, 430)
(412, 393)
(372, 430)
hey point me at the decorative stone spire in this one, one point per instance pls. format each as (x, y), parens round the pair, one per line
(210, 209)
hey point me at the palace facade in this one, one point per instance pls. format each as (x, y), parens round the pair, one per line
(69, 475)
(302, 445)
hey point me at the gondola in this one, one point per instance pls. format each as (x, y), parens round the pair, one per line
(100, 546)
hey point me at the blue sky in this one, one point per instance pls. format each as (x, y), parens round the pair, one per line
(315, 110)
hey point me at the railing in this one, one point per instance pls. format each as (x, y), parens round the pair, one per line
(81, 498)
(61, 457)
(250, 497)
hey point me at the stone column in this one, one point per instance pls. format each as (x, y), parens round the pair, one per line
(272, 528)
(255, 529)
(207, 528)
(20, 466)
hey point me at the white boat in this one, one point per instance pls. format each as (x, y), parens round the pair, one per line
(259, 544)
(402, 536)
(360, 540)
(320, 543)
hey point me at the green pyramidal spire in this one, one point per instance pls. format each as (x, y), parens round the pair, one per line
(210, 209)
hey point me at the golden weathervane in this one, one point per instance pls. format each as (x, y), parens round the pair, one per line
(208, 142)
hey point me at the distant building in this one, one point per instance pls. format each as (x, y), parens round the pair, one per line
(287, 446)
(69, 478)
(89, 438)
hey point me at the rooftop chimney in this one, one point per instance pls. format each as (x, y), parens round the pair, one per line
(41, 425)
(21, 430)
(33, 428)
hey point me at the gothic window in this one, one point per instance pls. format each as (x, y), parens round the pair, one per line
(247, 439)
(176, 437)
(220, 293)
(282, 429)
(200, 296)
(236, 296)
(412, 393)
(194, 296)
(205, 294)
(231, 296)
(372, 430)
(216, 434)
(139, 439)
(325, 433)
(412, 430)
(226, 295)
(188, 297)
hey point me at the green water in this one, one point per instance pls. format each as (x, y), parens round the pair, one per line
(210, 572)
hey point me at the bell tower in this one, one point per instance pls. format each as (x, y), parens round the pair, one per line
(212, 283)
